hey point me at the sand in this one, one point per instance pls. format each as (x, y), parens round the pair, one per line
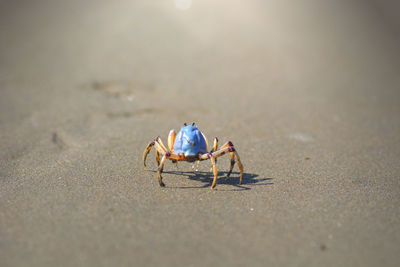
(308, 92)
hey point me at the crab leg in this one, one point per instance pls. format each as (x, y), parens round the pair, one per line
(146, 152)
(218, 153)
(196, 165)
(159, 147)
(215, 171)
(232, 154)
(215, 146)
(171, 140)
(159, 141)
(226, 148)
(214, 166)
(240, 166)
(160, 170)
(205, 138)
(231, 149)
(158, 158)
(227, 144)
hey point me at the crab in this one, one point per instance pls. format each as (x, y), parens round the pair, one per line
(191, 145)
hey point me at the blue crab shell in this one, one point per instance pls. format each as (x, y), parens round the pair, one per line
(190, 141)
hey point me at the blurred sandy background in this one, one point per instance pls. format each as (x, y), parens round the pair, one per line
(308, 91)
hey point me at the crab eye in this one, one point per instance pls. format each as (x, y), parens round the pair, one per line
(185, 124)
(193, 124)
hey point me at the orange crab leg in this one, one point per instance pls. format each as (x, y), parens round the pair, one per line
(160, 143)
(158, 158)
(171, 140)
(160, 170)
(240, 166)
(232, 154)
(227, 144)
(160, 149)
(231, 149)
(215, 146)
(226, 148)
(205, 138)
(215, 171)
(146, 152)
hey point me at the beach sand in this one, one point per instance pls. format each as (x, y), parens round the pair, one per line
(308, 92)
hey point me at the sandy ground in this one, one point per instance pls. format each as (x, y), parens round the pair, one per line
(307, 91)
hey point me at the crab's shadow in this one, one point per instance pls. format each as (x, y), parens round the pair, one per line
(249, 179)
